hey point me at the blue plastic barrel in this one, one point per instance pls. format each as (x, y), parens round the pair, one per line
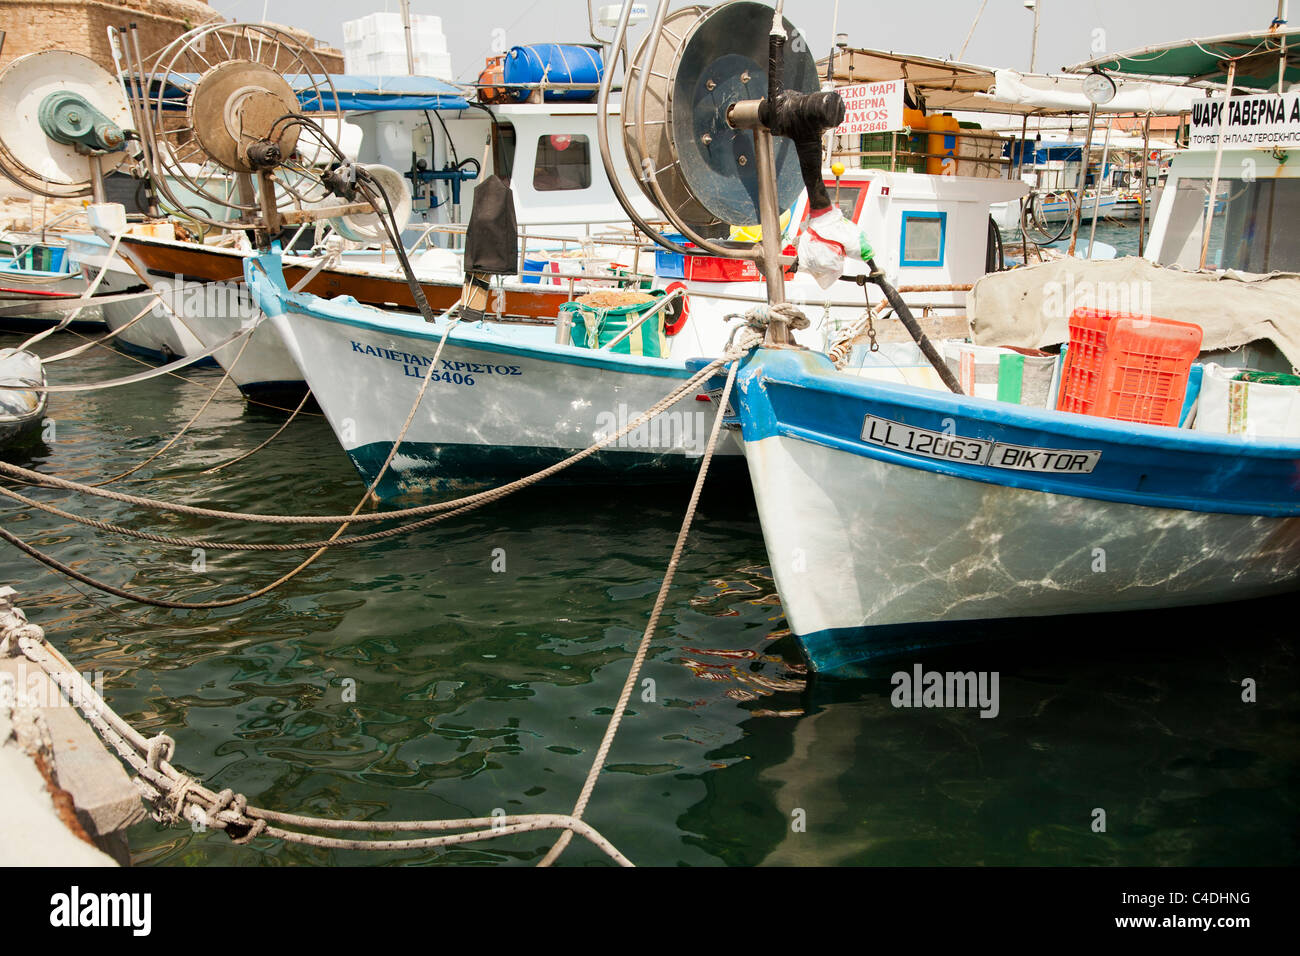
(556, 63)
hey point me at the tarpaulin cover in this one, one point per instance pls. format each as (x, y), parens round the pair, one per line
(1030, 307)
(355, 92)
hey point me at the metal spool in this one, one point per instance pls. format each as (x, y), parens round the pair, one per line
(658, 142)
(240, 98)
(721, 60)
(28, 155)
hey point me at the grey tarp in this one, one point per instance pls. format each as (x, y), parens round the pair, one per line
(1030, 307)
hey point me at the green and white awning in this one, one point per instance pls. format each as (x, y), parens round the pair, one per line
(1257, 55)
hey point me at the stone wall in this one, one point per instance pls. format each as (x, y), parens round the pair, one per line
(82, 26)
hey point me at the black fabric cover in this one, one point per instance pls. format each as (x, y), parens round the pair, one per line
(492, 238)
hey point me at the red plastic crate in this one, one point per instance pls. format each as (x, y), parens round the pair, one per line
(1132, 368)
(718, 269)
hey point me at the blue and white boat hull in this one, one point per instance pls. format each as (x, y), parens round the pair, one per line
(875, 546)
(504, 401)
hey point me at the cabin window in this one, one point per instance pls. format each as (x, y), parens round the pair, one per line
(1251, 230)
(563, 162)
(848, 198)
(923, 238)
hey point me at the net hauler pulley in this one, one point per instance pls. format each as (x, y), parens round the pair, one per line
(65, 124)
(237, 120)
(724, 123)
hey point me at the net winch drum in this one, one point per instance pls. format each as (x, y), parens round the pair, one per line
(700, 161)
(64, 122)
(248, 115)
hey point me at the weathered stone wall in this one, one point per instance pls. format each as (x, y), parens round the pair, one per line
(82, 26)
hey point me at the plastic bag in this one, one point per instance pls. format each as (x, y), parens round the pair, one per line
(827, 241)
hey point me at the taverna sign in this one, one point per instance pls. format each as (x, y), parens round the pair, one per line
(1266, 119)
(871, 108)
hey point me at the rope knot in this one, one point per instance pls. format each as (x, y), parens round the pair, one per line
(160, 748)
(14, 627)
(761, 316)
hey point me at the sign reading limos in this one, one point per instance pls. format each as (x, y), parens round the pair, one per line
(976, 451)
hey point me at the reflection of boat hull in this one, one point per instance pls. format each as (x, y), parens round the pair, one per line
(875, 547)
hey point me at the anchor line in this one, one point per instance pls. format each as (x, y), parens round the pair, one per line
(454, 508)
(175, 796)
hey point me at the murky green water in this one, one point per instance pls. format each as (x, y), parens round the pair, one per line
(478, 690)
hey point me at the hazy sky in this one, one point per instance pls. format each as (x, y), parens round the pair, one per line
(1068, 30)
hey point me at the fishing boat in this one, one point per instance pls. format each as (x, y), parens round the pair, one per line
(505, 399)
(22, 395)
(891, 512)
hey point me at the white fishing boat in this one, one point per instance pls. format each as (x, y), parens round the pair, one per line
(891, 512)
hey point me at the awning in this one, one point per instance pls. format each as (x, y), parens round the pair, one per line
(1257, 55)
(949, 86)
(355, 92)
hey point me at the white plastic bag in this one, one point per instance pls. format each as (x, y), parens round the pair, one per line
(1228, 406)
(826, 241)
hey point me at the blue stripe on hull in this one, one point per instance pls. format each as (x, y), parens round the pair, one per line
(162, 358)
(801, 395)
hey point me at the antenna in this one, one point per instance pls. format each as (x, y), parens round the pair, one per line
(65, 124)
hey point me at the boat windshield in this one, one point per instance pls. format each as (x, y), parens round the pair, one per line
(1253, 229)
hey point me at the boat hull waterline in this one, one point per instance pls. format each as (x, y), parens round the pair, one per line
(875, 545)
(504, 401)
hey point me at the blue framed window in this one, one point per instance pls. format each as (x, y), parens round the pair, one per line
(924, 237)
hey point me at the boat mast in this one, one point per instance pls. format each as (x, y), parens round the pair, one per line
(406, 28)
(1218, 164)
(1033, 50)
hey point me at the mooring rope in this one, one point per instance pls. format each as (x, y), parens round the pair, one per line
(175, 795)
(83, 299)
(456, 507)
(166, 369)
(87, 346)
(225, 377)
(52, 562)
(39, 478)
(643, 649)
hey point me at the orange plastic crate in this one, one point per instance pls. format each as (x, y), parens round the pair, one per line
(1132, 368)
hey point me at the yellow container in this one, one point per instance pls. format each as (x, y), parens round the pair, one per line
(942, 143)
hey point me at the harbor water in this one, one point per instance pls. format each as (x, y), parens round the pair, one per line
(470, 668)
